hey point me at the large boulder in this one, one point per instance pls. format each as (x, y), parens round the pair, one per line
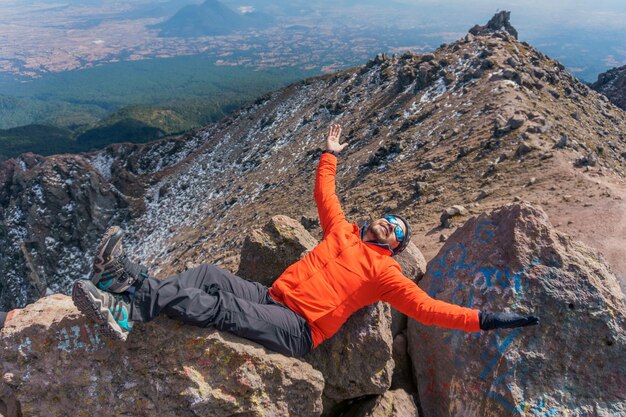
(574, 363)
(267, 252)
(357, 360)
(55, 363)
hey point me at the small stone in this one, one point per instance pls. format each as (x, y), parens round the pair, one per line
(528, 82)
(502, 157)
(589, 160)
(532, 181)
(539, 73)
(443, 238)
(523, 149)
(517, 199)
(509, 74)
(482, 194)
(512, 61)
(451, 212)
(516, 121)
(554, 93)
(563, 141)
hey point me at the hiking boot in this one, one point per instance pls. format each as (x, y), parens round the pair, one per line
(112, 270)
(110, 311)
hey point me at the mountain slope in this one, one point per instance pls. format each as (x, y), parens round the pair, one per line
(479, 122)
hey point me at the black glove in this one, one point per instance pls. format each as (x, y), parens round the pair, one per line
(490, 321)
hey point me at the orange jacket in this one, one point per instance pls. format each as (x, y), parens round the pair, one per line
(343, 274)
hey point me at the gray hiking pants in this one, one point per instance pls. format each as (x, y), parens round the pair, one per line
(210, 296)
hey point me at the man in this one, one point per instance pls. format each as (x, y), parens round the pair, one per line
(350, 268)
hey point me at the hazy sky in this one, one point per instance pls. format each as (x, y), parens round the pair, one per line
(600, 14)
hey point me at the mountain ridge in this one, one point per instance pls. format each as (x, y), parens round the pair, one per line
(479, 122)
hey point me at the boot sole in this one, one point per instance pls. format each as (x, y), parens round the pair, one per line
(93, 309)
(109, 243)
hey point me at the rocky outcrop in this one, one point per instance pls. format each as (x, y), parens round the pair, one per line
(574, 363)
(499, 22)
(612, 84)
(53, 211)
(54, 363)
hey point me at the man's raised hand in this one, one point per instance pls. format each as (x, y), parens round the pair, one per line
(332, 140)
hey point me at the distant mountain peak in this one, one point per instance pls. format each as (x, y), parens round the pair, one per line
(499, 22)
(211, 18)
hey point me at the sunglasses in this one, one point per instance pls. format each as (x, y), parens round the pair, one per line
(397, 229)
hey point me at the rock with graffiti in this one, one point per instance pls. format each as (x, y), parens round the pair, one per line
(573, 364)
(55, 363)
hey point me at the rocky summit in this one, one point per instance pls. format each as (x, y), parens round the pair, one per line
(478, 123)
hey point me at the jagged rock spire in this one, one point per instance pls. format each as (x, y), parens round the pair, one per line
(499, 21)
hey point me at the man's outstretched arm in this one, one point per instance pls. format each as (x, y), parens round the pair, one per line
(408, 298)
(328, 207)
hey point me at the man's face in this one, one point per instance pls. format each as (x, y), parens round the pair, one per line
(383, 231)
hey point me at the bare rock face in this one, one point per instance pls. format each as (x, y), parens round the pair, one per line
(54, 363)
(53, 211)
(612, 84)
(267, 252)
(499, 22)
(574, 363)
(357, 360)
